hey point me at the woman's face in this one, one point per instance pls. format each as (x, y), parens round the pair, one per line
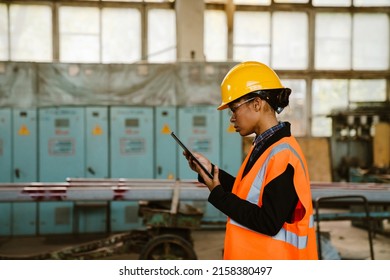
(242, 116)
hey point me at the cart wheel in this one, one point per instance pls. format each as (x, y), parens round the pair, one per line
(168, 247)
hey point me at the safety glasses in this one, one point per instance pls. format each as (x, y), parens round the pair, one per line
(233, 109)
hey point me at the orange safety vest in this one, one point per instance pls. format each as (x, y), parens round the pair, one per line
(294, 241)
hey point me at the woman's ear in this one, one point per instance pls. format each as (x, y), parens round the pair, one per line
(257, 103)
(265, 106)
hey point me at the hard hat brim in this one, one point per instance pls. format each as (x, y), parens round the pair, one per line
(223, 106)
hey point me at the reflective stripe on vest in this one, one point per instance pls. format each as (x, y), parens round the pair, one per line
(254, 192)
(254, 195)
(292, 238)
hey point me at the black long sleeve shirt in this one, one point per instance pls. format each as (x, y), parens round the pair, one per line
(279, 197)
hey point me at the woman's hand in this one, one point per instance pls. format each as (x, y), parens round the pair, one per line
(202, 159)
(211, 183)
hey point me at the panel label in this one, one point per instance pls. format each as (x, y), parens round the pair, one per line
(62, 147)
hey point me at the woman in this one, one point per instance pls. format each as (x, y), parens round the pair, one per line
(268, 203)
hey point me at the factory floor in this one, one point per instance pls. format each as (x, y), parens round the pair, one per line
(349, 241)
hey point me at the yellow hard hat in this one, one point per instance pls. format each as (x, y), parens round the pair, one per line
(247, 77)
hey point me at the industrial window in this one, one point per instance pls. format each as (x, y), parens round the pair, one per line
(344, 43)
(289, 47)
(338, 3)
(79, 34)
(252, 2)
(291, 1)
(289, 40)
(3, 33)
(121, 35)
(370, 3)
(296, 111)
(370, 42)
(327, 95)
(215, 35)
(161, 36)
(347, 3)
(252, 36)
(109, 35)
(30, 33)
(367, 90)
(333, 41)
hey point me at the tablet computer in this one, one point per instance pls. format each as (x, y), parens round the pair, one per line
(191, 155)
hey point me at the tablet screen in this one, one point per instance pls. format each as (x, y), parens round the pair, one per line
(191, 155)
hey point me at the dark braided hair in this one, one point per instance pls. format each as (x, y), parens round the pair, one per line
(278, 98)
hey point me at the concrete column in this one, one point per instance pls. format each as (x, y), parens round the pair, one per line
(190, 21)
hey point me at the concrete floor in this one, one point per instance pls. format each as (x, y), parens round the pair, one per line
(351, 242)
